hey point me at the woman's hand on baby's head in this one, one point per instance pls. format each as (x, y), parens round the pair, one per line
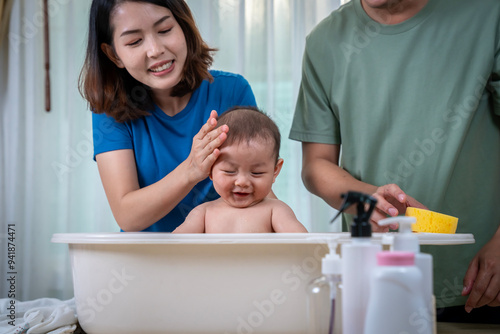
(212, 120)
(211, 125)
(205, 148)
(220, 132)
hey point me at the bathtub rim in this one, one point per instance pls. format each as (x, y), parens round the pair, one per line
(247, 238)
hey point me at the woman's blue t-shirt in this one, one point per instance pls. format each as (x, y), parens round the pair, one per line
(161, 142)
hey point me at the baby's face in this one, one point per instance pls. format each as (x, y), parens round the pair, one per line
(244, 172)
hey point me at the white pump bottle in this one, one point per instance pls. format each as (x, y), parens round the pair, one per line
(396, 303)
(324, 296)
(406, 240)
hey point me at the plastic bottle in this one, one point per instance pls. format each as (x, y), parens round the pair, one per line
(396, 299)
(358, 260)
(406, 240)
(324, 295)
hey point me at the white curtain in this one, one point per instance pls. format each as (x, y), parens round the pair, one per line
(48, 180)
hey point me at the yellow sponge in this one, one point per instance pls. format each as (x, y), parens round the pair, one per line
(432, 222)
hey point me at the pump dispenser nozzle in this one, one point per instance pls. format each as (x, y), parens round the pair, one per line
(405, 240)
(331, 263)
(365, 205)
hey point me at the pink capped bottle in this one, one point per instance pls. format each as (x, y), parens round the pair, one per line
(397, 303)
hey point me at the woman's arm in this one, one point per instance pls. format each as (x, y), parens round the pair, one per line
(136, 208)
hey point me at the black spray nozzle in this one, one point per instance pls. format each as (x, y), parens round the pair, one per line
(365, 205)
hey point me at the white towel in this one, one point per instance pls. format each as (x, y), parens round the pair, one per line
(40, 316)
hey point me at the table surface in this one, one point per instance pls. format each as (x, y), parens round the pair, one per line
(442, 328)
(458, 328)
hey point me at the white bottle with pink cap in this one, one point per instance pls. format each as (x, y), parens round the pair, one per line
(396, 303)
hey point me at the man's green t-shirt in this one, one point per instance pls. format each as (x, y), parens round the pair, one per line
(416, 104)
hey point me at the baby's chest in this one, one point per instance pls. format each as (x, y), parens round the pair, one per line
(248, 220)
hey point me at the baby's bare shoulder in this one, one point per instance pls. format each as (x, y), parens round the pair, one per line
(274, 203)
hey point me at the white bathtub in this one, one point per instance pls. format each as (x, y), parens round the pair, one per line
(148, 283)
(193, 283)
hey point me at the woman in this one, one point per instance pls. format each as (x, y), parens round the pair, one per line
(147, 81)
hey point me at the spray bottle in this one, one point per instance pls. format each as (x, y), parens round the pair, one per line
(359, 258)
(406, 240)
(323, 296)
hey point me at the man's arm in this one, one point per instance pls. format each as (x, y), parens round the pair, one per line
(482, 279)
(323, 177)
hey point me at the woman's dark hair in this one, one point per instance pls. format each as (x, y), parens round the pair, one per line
(247, 123)
(112, 90)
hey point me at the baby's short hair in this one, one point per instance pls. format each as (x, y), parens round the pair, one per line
(246, 123)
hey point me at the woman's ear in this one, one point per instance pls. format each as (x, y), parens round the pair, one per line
(110, 52)
(277, 168)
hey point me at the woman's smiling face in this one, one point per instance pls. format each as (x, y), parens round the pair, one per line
(149, 43)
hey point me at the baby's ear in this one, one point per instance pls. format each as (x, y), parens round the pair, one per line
(277, 168)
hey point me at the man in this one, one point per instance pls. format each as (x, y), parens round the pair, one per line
(410, 89)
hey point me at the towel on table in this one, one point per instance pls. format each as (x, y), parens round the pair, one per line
(39, 316)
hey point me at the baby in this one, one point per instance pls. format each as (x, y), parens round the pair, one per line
(243, 176)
